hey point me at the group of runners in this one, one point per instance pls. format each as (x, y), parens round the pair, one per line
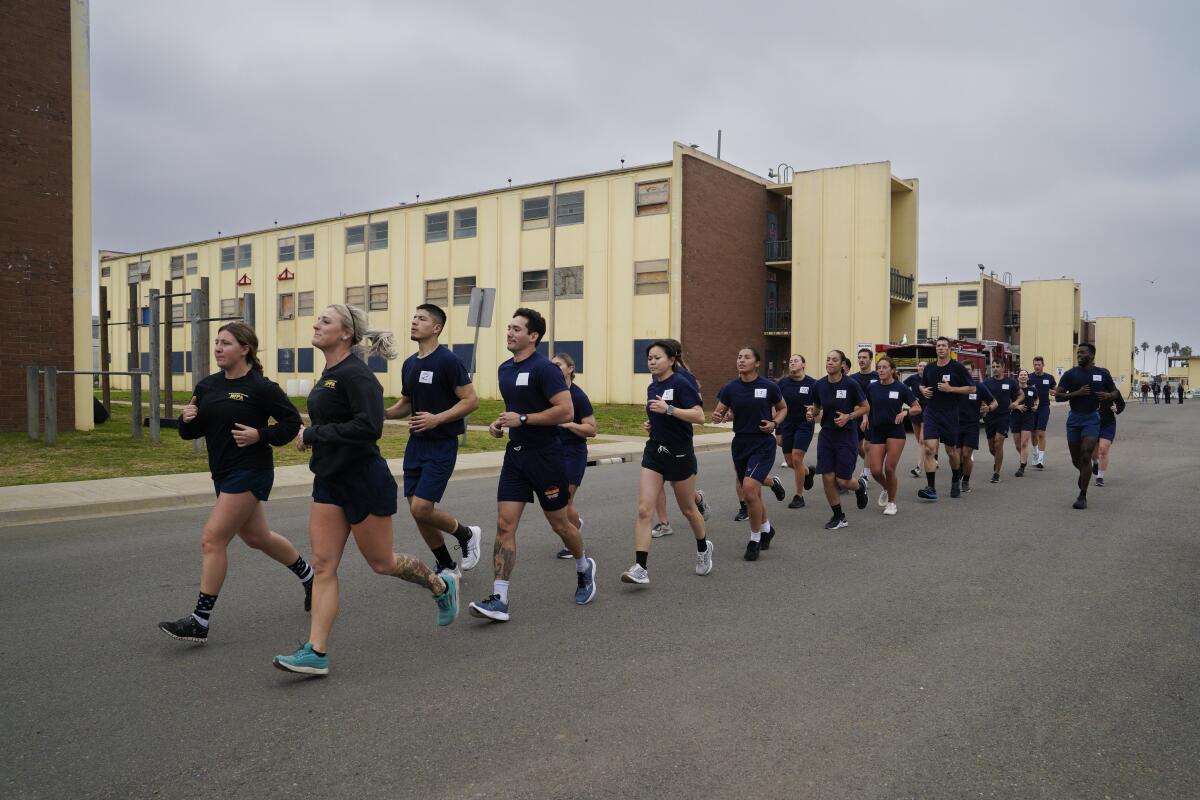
(547, 420)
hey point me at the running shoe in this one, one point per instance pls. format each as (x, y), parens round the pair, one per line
(447, 601)
(860, 494)
(470, 555)
(915, 472)
(1020, 473)
(890, 510)
(660, 530)
(883, 500)
(701, 506)
(564, 554)
(752, 548)
(304, 661)
(636, 574)
(585, 591)
(1080, 502)
(1095, 467)
(455, 570)
(704, 561)
(765, 538)
(1099, 481)
(809, 476)
(777, 488)
(492, 608)
(955, 487)
(837, 521)
(185, 630)
(308, 594)
(1038, 465)
(966, 485)
(995, 477)
(742, 515)
(925, 493)
(797, 502)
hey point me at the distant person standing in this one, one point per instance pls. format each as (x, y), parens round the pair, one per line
(1166, 392)
(1145, 392)
(1180, 390)
(1156, 389)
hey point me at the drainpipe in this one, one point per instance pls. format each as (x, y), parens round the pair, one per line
(550, 281)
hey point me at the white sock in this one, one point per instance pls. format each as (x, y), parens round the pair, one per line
(766, 526)
(755, 536)
(203, 622)
(1099, 473)
(501, 588)
(581, 563)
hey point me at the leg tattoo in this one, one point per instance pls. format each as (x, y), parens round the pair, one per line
(413, 570)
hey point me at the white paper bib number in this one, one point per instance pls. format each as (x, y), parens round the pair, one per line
(893, 395)
(760, 392)
(668, 395)
(1045, 381)
(522, 379)
(1004, 386)
(426, 376)
(841, 394)
(973, 396)
(803, 390)
(945, 379)
(1098, 378)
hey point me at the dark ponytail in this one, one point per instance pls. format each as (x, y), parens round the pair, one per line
(244, 335)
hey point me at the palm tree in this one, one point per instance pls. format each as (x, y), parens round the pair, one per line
(1145, 347)
(1158, 349)
(1185, 351)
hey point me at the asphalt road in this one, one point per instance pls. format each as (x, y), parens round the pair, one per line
(999, 645)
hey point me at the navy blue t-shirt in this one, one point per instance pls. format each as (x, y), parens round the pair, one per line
(690, 378)
(679, 390)
(527, 387)
(583, 408)
(429, 384)
(887, 400)
(1004, 390)
(968, 409)
(1078, 377)
(865, 379)
(751, 402)
(1031, 395)
(841, 397)
(953, 373)
(913, 382)
(798, 394)
(1044, 384)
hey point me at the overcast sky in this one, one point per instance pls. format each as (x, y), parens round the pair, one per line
(1050, 138)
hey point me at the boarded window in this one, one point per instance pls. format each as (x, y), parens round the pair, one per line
(287, 306)
(535, 285)
(651, 277)
(304, 304)
(568, 282)
(176, 267)
(356, 296)
(435, 292)
(379, 297)
(652, 197)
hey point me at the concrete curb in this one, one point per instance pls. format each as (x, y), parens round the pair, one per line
(59, 502)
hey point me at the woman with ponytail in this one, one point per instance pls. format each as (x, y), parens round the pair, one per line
(353, 489)
(231, 409)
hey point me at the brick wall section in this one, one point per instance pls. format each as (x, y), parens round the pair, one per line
(724, 276)
(35, 201)
(995, 303)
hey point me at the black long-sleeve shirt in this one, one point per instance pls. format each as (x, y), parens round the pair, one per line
(346, 408)
(251, 400)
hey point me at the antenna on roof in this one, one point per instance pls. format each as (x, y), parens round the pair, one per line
(718, 143)
(622, 163)
(510, 181)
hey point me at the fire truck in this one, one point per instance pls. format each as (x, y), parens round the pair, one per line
(976, 356)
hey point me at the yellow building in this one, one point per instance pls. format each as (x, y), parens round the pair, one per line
(1116, 343)
(986, 308)
(1050, 315)
(1184, 370)
(613, 259)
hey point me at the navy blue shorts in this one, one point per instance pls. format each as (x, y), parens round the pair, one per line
(256, 481)
(1043, 416)
(968, 435)
(673, 466)
(534, 471)
(575, 458)
(799, 438)
(997, 425)
(879, 434)
(363, 489)
(1108, 430)
(941, 425)
(753, 455)
(1083, 425)
(428, 465)
(837, 452)
(1023, 422)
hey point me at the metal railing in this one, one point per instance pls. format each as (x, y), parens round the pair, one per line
(777, 320)
(902, 286)
(1012, 320)
(780, 250)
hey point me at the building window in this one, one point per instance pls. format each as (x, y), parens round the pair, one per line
(968, 298)
(465, 223)
(651, 198)
(231, 308)
(570, 209)
(535, 285)
(192, 260)
(378, 235)
(176, 267)
(462, 290)
(922, 299)
(378, 297)
(139, 271)
(435, 226)
(243, 255)
(573, 348)
(568, 282)
(306, 246)
(228, 257)
(356, 296)
(355, 238)
(287, 306)
(640, 367)
(651, 277)
(377, 363)
(105, 272)
(535, 213)
(304, 304)
(304, 359)
(176, 313)
(922, 334)
(287, 249)
(286, 360)
(967, 333)
(435, 292)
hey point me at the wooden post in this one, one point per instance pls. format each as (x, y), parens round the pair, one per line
(33, 409)
(105, 366)
(135, 399)
(168, 369)
(51, 416)
(155, 363)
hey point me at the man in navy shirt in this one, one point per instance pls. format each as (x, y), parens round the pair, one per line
(997, 421)
(437, 392)
(865, 376)
(1085, 387)
(1044, 383)
(942, 385)
(536, 402)
(913, 382)
(979, 400)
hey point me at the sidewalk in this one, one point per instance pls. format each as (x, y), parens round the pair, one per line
(57, 502)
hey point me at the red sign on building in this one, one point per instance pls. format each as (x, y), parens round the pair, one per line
(244, 280)
(286, 275)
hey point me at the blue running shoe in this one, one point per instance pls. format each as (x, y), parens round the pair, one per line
(447, 601)
(925, 493)
(586, 591)
(304, 661)
(492, 608)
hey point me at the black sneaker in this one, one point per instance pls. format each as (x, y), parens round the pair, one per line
(966, 485)
(766, 538)
(955, 487)
(915, 472)
(1038, 465)
(777, 488)
(186, 630)
(752, 549)
(797, 502)
(925, 493)
(860, 494)
(995, 477)
(1099, 481)
(808, 478)
(837, 521)
(564, 554)
(1095, 467)
(742, 514)
(308, 595)
(1080, 502)
(1020, 473)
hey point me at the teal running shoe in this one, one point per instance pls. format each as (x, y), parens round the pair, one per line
(304, 661)
(447, 601)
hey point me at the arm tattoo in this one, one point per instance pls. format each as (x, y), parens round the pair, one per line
(413, 570)
(504, 558)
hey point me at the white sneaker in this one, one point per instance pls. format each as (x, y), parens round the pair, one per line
(704, 560)
(456, 571)
(890, 510)
(660, 530)
(883, 500)
(636, 574)
(470, 556)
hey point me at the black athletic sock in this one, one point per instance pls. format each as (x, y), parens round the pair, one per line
(837, 510)
(463, 534)
(931, 479)
(956, 474)
(641, 556)
(318, 652)
(443, 557)
(302, 570)
(204, 607)
(701, 545)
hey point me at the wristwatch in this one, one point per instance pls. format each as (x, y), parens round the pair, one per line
(524, 418)
(670, 411)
